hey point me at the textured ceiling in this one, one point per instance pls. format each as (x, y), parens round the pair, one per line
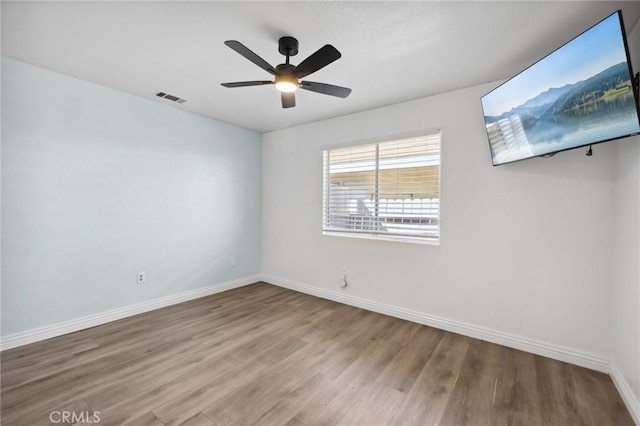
(391, 51)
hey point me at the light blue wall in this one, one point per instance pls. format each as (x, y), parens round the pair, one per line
(98, 185)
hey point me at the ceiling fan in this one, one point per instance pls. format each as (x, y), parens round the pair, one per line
(287, 76)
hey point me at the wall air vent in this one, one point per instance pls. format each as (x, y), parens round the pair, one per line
(171, 97)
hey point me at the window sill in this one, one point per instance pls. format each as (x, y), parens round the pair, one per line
(382, 237)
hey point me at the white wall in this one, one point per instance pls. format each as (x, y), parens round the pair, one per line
(626, 273)
(626, 277)
(525, 247)
(98, 185)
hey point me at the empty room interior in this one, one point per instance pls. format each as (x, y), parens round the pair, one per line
(320, 213)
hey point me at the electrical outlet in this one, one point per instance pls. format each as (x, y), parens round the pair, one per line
(141, 277)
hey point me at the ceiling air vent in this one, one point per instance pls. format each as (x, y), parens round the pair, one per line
(171, 97)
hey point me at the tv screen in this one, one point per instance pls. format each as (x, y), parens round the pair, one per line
(579, 95)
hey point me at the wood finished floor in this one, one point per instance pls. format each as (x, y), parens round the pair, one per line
(266, 355)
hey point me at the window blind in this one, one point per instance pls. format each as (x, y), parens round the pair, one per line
(388, 189)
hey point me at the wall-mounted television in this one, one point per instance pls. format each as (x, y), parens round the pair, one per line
(581, 94)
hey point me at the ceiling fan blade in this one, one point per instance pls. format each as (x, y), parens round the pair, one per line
(247, 83)
(288, 100)
(320, 59)
(325, 89)
(244, 51)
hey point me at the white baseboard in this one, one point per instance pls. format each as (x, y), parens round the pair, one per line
(629, 398)
(522, 343)
(71, 326)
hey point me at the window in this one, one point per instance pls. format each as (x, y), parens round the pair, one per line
(388, 190)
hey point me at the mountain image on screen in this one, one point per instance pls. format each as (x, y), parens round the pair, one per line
(606, 95)
(598, 108)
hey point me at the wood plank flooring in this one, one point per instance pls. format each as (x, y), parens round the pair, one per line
(270, 356)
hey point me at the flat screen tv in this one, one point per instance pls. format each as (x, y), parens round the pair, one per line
(581, 94)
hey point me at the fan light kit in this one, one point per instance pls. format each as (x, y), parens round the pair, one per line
(287, 76)
(286, 84)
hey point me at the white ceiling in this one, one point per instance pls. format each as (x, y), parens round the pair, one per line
(391, 51)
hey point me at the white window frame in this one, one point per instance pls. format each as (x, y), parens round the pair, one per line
(431, 239)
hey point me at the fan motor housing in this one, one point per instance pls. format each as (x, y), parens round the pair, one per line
(288, 46)
(286, 69)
